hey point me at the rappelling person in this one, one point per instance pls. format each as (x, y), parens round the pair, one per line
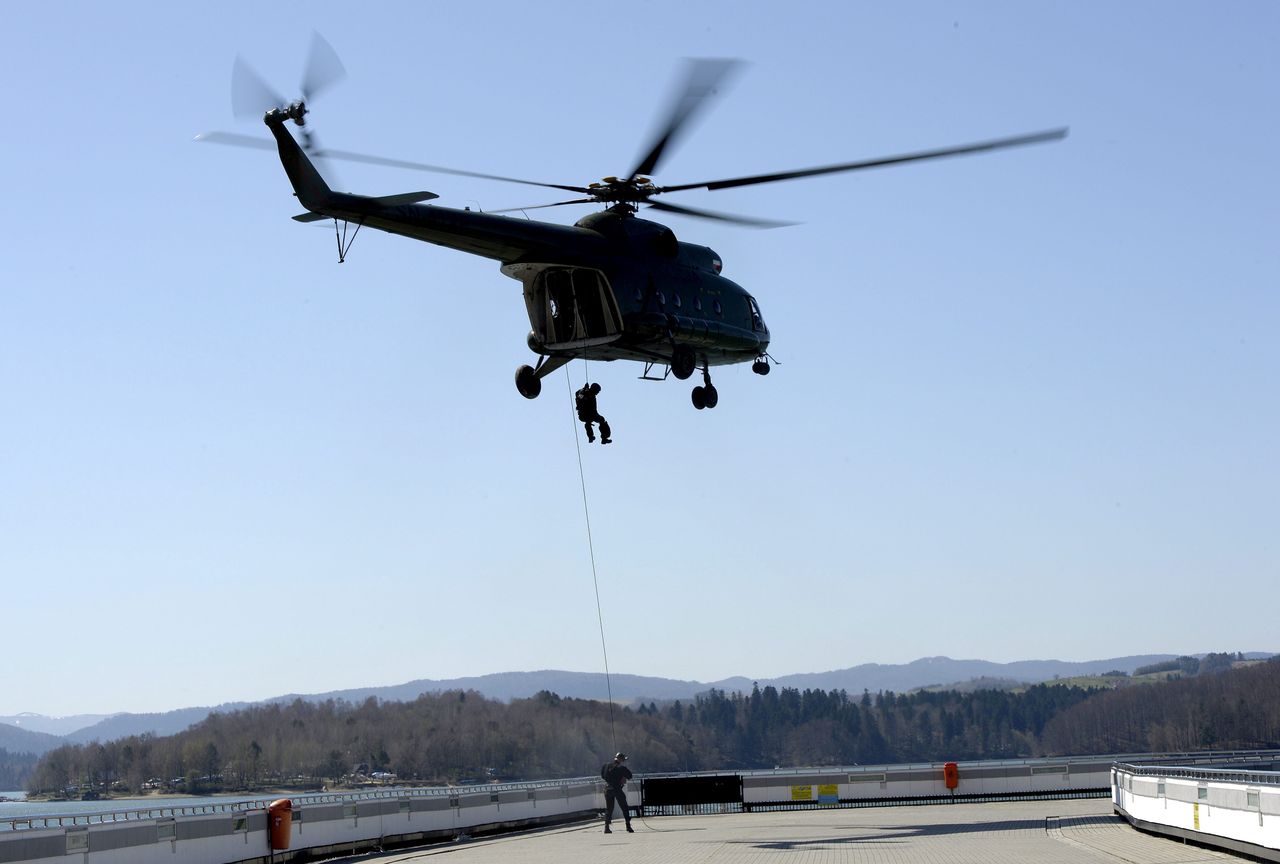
(615, 776)
(585, 400)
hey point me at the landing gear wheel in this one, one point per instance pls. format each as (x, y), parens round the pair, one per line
(683, 362)
(760, 367)
(711, 396)
(528, 383)
(699, 398)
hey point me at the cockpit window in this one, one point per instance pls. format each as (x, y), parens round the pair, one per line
(757, 320)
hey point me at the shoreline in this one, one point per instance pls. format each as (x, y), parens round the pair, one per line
(169, 796)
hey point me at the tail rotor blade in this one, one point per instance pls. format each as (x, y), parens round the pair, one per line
(324, 69)
(250, 95)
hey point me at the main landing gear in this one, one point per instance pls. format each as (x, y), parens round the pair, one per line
(683, 362)
(705, 396)
(529, 378)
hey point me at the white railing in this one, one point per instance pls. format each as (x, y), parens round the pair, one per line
(322, 824)
(1237, 809)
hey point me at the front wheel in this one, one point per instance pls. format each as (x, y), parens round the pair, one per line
(711, 396)
(528, 382)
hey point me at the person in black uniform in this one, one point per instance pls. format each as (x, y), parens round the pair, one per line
(615, 776)
(585, 400)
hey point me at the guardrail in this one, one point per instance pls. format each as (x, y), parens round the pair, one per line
(321, 825)
(223, 832)
(1235, 809)
(67, 820)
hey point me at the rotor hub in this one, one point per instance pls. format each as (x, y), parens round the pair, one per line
(634, 190)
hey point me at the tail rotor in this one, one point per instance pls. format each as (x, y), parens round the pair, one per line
(251, 96)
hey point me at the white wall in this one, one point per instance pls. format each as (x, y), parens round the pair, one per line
(1223, 809)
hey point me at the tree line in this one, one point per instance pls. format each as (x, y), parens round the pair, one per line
(1235, 709)
(457, 736)
(15, 768)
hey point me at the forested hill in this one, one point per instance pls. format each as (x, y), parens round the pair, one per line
(1239, 708)
(458, 735)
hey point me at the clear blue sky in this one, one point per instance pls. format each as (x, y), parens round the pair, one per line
(1026, 406)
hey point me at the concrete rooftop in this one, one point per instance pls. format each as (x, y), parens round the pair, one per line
(1052, 832)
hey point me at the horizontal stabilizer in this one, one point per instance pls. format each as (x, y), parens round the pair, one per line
(383, 200)
(404, 198)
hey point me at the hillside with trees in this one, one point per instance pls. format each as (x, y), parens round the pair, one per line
(463, 737)
(1219, 708)
(15, 768)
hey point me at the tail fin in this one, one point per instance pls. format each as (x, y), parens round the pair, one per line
(309, 186)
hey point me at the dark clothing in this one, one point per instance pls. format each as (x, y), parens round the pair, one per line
(610, 796)
(615, 777)
(585, 401)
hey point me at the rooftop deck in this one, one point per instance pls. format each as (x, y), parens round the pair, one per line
(1053, 832)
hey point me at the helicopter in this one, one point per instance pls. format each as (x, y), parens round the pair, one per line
(612, 286)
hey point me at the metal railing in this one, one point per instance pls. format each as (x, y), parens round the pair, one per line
(68, 820)
(1225, 775)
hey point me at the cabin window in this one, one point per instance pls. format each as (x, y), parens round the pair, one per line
(662, 299)
(715, 304)
(697, 303)
(757, 321)
(675, 300)
(639, 294)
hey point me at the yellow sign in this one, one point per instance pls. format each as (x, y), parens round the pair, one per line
(801, 793)
(829, 793)
(1195, 813)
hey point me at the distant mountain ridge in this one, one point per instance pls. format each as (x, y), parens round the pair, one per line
(53, 725)
(875, 677)
(17, 740)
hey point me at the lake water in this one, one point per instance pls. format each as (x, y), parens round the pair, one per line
(23, 809)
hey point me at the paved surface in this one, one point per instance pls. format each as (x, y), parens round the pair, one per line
(1055, 832)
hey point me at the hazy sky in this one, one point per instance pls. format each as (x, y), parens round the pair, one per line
(1025, 408)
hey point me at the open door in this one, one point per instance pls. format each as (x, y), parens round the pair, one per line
(570, 307)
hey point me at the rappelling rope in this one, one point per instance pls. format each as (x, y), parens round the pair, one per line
(586, 512)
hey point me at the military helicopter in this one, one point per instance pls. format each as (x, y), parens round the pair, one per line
(612, 286)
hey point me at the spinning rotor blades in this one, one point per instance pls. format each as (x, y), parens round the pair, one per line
(324, 69)
(253, 97)
(703, 79)
(980, 147)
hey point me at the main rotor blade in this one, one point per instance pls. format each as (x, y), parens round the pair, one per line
(438, 169)
(545, 206)
(703, 78)
(324, 69)
(237, 140)
(749, 221)
(250, 95)
(979, 147)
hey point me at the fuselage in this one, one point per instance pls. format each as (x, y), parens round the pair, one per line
(650, 292)
(611, 287)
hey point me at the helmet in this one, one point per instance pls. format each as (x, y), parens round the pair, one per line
(595, 388)
(621, 757)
